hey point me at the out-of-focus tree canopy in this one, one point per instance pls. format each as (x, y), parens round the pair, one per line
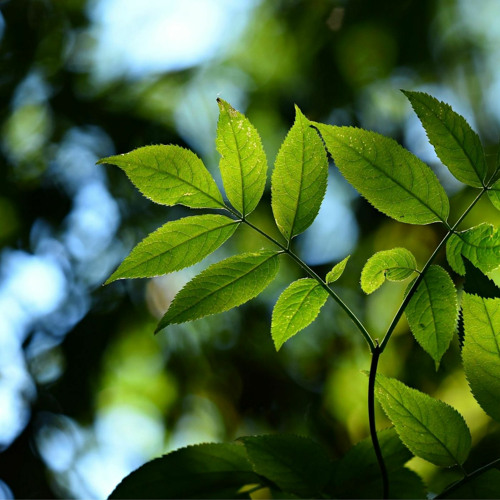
(87, 393)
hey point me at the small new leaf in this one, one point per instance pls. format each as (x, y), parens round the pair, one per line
(391, 178)
(481, 351)
(456, 144)
(176, 245)
(169, 175)
(432, 312)
(479, 244)
(222, 286)
(337, 271)
(296, 308)
(298, 183)
(431, 429)
(243, 164)
(396, 264)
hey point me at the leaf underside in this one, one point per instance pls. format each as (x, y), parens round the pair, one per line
(481, 350)
(296, 308)
(169, 175)
(432, 312)
(243, 165)
(479, 244)
(299, 179)
(222, 286)
(456, 144)
(396, 264)
(391, 178)
(176, 245)
(431, 429)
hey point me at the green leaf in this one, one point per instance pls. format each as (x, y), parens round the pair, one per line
(337, 271)
(295, 464)
(479, 244)
(456, 144)
(479, 284)
(494, 194)
(201, 471)
(486, 485)
(222, 286)
(357, 474)
(481, 351)
(296, 308)
(169, 175)
(432, 312)
(299, 179)
(391, 178)
(176, 245)
(243, 164)
(396, 264)
(431, 429)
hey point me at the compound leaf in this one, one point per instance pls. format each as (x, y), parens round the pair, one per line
(391, 178)
(456, 144)
(479, 244)
(243, 164)
(396, 264)
(298, 183)
(337, 271)
(169, 175)
(494, 194)
(481, 350)
(202, 471)
(431, 429)
(222, 286)
(297, 307)
(176, 245)
(295, 464)
(432, 312)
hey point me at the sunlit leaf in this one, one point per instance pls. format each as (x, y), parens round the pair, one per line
(337, 271)
(456, 144)
(296, 308)
(299, 178)
(176, 245)
(432, 312)
(296, 464)
(477, 283)
(396, 264)
(481, 350)
(494, 194)
(222, 286)
(243, 164)
(391, 178)
(480, 244)
(431, 429)
(201, 471)
(169, 175)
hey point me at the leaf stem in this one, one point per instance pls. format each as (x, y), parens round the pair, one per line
(468, 478)
(420, 277)
(371, 416)
(312, 274)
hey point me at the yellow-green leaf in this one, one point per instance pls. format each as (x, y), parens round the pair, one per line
(337, 271)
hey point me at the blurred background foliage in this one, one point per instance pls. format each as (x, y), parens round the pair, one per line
(87, 393)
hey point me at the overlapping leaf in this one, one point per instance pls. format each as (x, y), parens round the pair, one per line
(222, 286)
(456, 144)
(296, 308)
(201, 471)
(176, 245)
(481, 350)
(479, 244)
(431, 429)
(299, 178)
(295, 464)
(432, 312)
(243, 164)
(391, 178)
(396, 264)
(169, 175)
(337, 271)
